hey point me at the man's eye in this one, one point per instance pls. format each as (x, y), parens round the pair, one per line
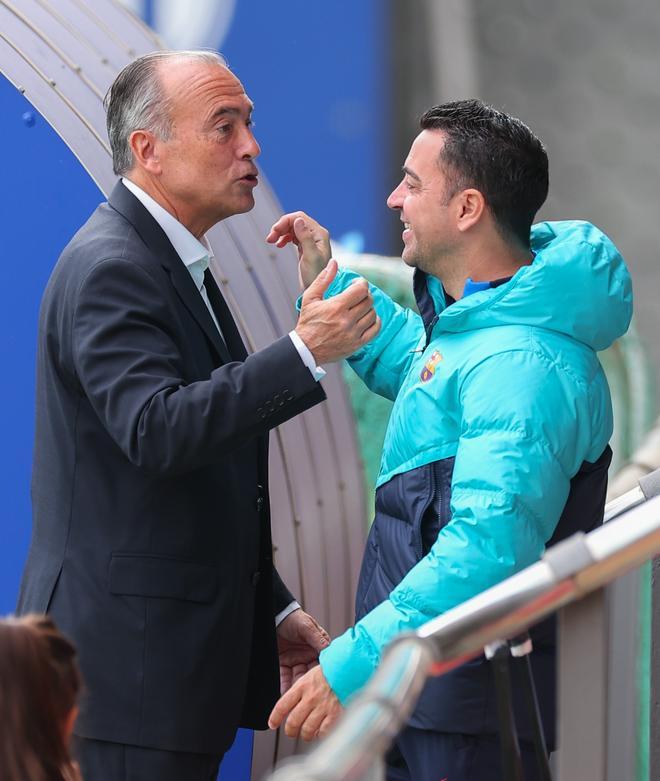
(224, 129)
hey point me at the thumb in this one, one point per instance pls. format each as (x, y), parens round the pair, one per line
(314, 635)
(322, 282)
(304, 235)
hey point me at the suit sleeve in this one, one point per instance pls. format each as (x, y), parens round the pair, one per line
(518, 449)
(127, 360)
(282, 597)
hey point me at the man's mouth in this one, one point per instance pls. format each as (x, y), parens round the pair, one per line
(250, 179)
(407, 231)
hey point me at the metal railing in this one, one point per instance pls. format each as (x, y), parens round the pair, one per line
(568, 573)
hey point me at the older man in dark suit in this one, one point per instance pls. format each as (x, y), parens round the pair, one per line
(151, 539)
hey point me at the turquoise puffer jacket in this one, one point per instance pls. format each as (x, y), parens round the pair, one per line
(507, 383)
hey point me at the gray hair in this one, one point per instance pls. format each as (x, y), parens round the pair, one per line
(136, 101)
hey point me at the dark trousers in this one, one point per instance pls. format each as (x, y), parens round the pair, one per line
(421, 755)
(103, 761)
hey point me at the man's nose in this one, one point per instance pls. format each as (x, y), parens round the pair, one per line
(251, 146)
(395, 200)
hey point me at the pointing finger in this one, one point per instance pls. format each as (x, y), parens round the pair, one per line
(298, 716)
(326, 724)
(283, 226)
(284, 706)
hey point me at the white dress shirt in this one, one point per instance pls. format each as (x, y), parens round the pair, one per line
(196, 256)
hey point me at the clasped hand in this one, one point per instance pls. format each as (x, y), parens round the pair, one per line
(307, 699)
(336, 327)
(311, 240)
(300, 639)
(309, 707)
(332, 328)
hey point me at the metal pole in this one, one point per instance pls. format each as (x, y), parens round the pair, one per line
(654, 759)
(521, 648)
(623, 606)
(498, 655)
(582, 707)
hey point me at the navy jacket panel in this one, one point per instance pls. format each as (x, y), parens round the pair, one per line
(411, 508)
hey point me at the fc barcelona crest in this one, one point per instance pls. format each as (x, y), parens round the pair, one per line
(430, 366)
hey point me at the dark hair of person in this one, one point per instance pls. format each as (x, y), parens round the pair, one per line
(496, 154)
(39, 687)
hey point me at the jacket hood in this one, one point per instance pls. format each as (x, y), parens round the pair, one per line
(578, 285)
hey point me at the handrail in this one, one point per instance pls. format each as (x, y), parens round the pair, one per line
(569, 571)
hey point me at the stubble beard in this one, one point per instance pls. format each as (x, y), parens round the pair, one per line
(437, 262)
(416, 256)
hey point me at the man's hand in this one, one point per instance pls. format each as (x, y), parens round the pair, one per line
(299, 640)
(311, 239)
(310, 707)
(336, 327)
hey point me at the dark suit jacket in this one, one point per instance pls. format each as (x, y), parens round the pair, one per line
(151, 543)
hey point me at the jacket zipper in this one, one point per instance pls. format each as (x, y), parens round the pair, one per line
(432, 505)
(438, 493)
(436, 504)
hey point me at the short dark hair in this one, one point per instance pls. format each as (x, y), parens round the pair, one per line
(496, 154)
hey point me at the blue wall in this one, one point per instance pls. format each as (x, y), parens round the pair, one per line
(46, 196)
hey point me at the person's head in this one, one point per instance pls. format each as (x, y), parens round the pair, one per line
(471, 168)
(39, 687)
(179, 124)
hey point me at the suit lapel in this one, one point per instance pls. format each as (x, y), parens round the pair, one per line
(154, 237)
(185, 287)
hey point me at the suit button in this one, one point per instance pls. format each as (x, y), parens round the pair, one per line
(256, 576)
(261, 498)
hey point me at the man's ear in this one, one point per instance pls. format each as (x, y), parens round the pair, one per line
(471, 206)
(144, 146)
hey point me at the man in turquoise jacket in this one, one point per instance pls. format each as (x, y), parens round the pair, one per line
(497, 444)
